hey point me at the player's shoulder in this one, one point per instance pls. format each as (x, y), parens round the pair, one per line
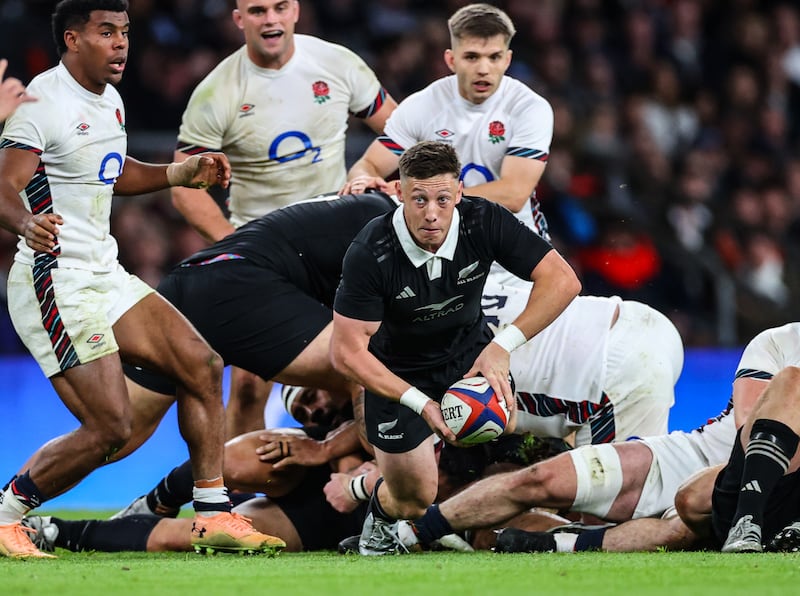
(321, 48)
(518, 94)
(228, 71)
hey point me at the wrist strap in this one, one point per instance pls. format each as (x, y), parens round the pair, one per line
(414, 399)
(358, 488)
(510, 338)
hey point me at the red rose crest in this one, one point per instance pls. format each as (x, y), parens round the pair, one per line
(321, 91)
(496, 131)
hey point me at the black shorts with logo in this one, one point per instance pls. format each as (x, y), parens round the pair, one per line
(783, 505)
(254, 318)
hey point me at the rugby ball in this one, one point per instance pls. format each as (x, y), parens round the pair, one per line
(473, 412)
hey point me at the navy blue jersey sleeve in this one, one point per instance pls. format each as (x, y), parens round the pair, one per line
(359, 294)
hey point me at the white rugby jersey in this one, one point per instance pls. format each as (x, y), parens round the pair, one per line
(766, 355)
(512, 121)
(80, 137)
(282, 130)
(576, 341)
(771, 351)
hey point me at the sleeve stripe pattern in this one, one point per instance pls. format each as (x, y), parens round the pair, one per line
(600, 416)
(193, 149)
(537, 154)
(14, 145)
(390, 145)
(373, 107)
(751, 373)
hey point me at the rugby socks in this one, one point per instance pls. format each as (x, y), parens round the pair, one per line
(431, 526)
(173, 491)
(210, 497)
(18, 498)
(114, 535)
(766, 458)
(588, 540)
(375, 505)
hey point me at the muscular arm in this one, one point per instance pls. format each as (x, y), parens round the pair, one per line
(351, 357)
(200, 171)
(200, 210)
(518, 179)
(746, 392)
(378, 120)
(17, 167)
(372, 168)
(555, 285)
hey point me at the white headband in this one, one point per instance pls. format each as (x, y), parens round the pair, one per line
(288, 394)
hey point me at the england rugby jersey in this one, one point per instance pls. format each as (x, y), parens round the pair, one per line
(432, 327)
(766, 355)
(513, 121)
(81, 140)
(282, 130)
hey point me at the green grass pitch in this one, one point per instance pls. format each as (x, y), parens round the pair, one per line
(442, 574)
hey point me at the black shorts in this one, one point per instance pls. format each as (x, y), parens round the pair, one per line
(783, 505)
(253, 317)
(319, 525)
(394, 428)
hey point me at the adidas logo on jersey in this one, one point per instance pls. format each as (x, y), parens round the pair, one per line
(406, 293)
(752, 486)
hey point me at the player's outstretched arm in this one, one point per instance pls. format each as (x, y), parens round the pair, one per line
(198, 171)
(200, 209)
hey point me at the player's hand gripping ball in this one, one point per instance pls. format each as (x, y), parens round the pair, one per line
(473, 411)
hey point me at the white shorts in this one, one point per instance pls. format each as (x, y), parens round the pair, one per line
(67, 319)
(675, 458)
(644, 361)
(599, 475)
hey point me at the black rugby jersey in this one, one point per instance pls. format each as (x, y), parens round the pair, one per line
(305, 242)
(433, 324)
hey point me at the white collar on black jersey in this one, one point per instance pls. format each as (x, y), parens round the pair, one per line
(418, 256)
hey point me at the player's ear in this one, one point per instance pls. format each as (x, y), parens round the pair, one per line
(237, 18)
(71, 39)
(398, 190)
(449, 59)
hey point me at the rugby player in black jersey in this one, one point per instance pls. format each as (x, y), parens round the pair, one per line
(408, 323)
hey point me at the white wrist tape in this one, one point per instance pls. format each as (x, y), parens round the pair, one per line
(358, 488)
(510, 338)
(180, 173)
(414, 399)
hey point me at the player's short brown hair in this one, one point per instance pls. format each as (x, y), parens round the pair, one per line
(482, 21)
(428, 159)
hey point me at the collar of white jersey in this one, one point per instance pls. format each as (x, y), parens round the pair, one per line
(418, 256)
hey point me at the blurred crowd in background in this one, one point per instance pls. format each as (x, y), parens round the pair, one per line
(674, 172)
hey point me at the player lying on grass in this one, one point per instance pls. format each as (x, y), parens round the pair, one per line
(752, 503)
(298, 511)
(635, 480)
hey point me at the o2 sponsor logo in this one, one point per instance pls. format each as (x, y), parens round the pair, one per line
(477, 174)
(292, 136)
(110, 168)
